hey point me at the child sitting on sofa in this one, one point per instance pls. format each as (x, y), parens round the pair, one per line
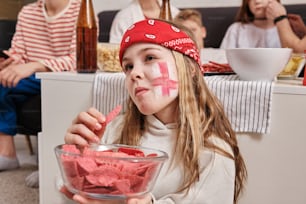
(252, 28)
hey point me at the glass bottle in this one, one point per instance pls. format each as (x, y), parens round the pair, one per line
(86, 39)
(165, 11)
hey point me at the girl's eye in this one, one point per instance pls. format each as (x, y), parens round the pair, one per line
(149, 57)
(128, 67)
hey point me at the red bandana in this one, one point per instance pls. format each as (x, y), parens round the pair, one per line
(161, 33)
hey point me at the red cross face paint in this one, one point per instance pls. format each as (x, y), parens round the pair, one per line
(165, 79)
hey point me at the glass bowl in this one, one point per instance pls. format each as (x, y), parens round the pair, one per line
(109, 172)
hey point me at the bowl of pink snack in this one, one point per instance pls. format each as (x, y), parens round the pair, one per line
(111, 171)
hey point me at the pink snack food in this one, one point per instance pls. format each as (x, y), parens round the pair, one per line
(106, 174)
(111, 115)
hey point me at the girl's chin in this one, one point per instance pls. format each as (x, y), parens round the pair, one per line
(145, 111)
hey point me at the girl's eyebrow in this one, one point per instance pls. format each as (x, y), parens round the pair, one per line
(143, 50)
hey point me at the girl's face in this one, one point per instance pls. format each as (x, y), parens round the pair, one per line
(258, 7)
(151, 80)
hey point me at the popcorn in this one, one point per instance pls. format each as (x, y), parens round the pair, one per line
(108, 57)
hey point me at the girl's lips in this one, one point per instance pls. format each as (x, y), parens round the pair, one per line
(140, 90)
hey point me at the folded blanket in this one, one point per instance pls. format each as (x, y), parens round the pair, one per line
(109, 91)
(246, 103)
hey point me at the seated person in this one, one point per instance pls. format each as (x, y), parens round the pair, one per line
(211, 168)
(136, 11)
(192, 19)
(44, 41)
(252, 28)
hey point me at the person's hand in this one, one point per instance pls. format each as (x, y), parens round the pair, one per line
(11, 60)
(147, 199)
(86, 128)
(297, 25)
(275, 9)
(83, 200)
(11, 75)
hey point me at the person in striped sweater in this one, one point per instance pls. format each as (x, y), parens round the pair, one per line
(44, 41)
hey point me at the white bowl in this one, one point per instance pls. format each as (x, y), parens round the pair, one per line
(258, 63)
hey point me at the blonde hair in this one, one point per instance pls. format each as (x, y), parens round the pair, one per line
(189, 14)
(200, 116)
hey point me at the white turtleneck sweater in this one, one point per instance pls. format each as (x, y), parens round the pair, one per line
(217, 172)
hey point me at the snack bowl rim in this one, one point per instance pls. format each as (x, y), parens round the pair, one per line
(162, 155)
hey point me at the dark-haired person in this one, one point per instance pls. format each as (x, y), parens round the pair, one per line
(252, 28)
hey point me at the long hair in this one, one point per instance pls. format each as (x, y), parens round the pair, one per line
(200, 116)
(244, 14)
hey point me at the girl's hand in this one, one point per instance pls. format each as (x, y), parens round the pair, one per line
(147, 199)
(275, 9)
(83, 200)
(86, 128)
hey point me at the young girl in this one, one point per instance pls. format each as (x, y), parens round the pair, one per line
(170, 108)
(252, 29)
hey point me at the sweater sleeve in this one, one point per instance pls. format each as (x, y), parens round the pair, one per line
(17, 43)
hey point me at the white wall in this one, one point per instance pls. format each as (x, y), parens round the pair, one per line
(101, 5)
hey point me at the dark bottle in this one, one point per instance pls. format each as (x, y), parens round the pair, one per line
(86, 39)
(165, 11)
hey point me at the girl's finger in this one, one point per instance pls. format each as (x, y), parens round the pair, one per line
(80, 134)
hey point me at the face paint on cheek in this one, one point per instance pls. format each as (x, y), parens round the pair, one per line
(163, 79)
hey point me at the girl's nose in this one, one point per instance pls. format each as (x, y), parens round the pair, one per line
(137, 72)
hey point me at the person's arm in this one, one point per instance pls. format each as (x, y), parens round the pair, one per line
(21, 51)
(297, 25)
(278, 13)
